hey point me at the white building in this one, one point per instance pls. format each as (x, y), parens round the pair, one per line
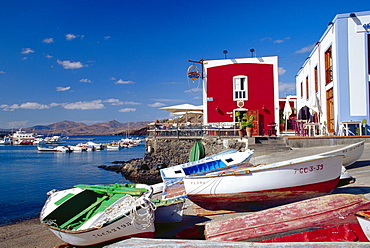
(337, 73)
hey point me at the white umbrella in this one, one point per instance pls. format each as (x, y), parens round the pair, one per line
(185, 109)
(287, 112)
(314, 105)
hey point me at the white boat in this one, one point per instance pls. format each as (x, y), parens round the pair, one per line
(351, 153)
(93, 214)
(91, 144)
(56, 139)
(42, 148)
(223, 159)
(63, 149)
(244, 186)
(21, 137)
(77, 148)
(6, 141)
(363, 218)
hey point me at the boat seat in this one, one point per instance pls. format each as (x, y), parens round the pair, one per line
(63, 226)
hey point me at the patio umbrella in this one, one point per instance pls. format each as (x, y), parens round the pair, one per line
(287, 112)
(184, 109)
(314, 105)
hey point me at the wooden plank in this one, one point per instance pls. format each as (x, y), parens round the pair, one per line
(327, 210)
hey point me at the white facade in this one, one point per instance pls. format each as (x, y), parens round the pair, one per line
(337, 71)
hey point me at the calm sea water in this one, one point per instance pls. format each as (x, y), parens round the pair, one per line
(26, 175)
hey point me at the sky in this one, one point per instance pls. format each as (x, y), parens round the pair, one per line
(96, 61)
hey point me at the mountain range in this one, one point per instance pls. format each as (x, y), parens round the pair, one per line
(69, 128)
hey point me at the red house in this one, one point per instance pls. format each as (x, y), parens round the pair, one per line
(247, 85)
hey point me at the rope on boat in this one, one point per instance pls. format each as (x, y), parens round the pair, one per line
(129, 208)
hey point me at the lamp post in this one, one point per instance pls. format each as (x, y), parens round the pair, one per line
(225, 52)
(252, 51)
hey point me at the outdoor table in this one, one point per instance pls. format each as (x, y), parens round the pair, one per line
(311, 127)
(346, 123)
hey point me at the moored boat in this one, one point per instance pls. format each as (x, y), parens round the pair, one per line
(92, 214)
(245, 187)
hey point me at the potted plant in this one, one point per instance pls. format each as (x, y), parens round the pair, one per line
(241, 123)
(249, 125)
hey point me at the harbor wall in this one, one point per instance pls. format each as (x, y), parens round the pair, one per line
(172, 151)
(302, 142)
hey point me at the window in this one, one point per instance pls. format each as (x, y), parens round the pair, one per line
(328, 66)
(316, 80)
(240, 88)
(302, 89)
(307, 93)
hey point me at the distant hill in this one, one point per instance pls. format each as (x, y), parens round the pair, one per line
(68, 128)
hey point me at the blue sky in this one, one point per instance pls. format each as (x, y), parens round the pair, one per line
(95, 61)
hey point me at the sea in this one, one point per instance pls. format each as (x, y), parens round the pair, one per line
(26, 174)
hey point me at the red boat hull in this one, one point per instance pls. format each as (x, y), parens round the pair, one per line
(261, 199)
(326, 211)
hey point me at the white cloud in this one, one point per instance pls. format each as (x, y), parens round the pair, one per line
(113, 101)
(27, 105)
(27, 50)
(281, 71)
(106, 37)
(112, 78)
(125, 110)
(33, 105)
(63, 88)
(193, 90)
(306, 49)
(131, 103)
(168, 100)
(48, 40)
(70, 65)
(120, 81)
(70, 36)
(48, 56)
(17, 124)
(156, 105)
(287, 88)
(85, 80)
(84, 105)
(2, 72)
(281, 41)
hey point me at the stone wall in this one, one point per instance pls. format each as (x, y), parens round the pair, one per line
(173, 151)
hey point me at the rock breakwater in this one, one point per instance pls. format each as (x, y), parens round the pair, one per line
(167, 152)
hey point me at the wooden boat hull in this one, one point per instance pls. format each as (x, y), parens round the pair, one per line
(363, 218)
(265, 186)
(122, 218)
(351, 153)
(330, 210)
(120, 229)
(220, 160)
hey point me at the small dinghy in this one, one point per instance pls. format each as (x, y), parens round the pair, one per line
(93, 214)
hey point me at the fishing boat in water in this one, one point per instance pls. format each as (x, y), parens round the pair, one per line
(245, 186)
(93, 214)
